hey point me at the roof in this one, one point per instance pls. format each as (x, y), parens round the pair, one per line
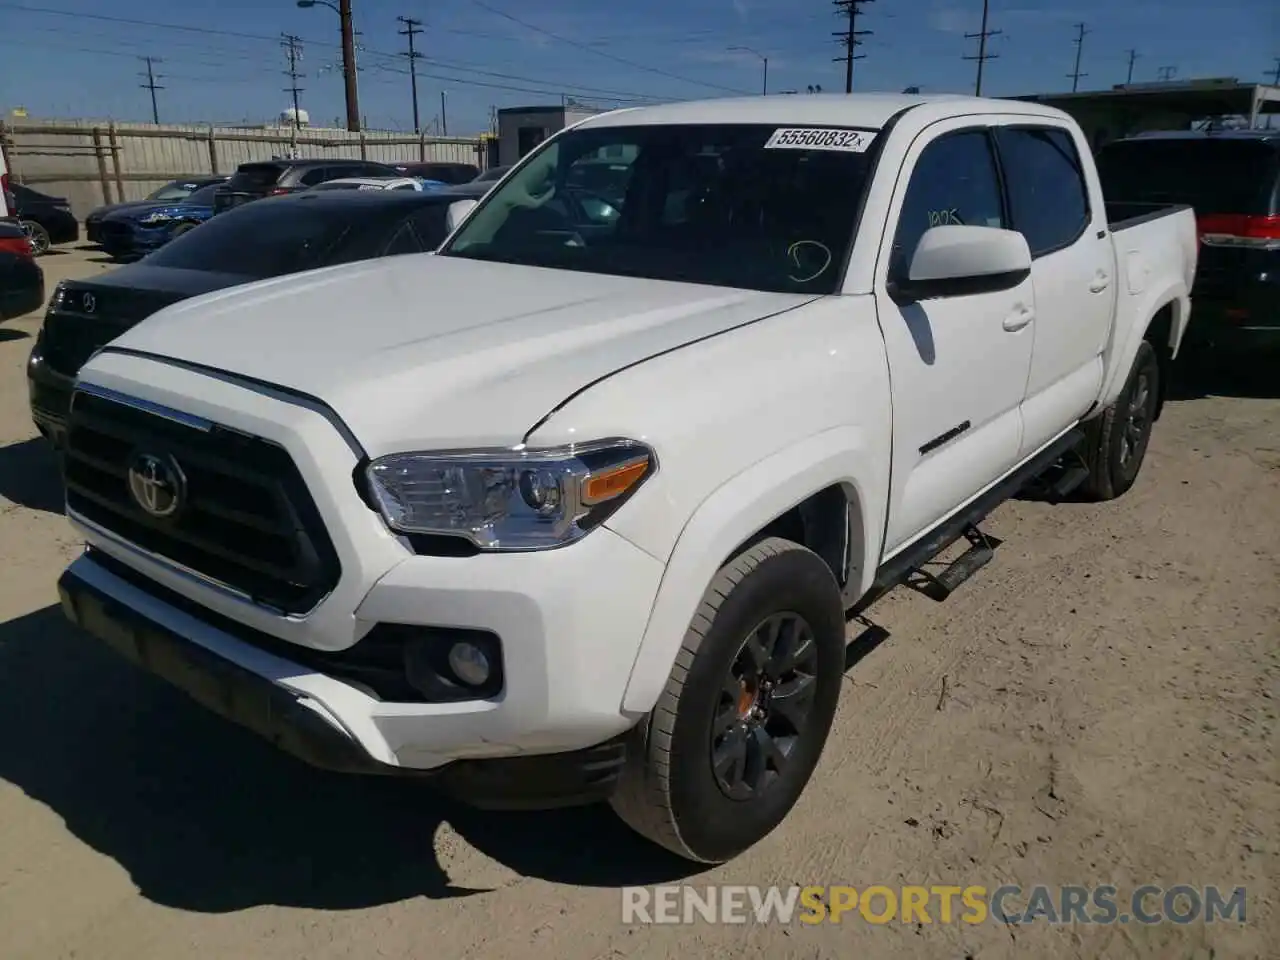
(1264, 135)
(353, 198)
(382, 183)
(861, 110)
(1222, 96)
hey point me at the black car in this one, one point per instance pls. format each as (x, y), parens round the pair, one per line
(451, 173)
(175, 191)
(493, 174)
(21, 279)
(270, 178)
(261, 240)
(47, 220)
(1232, 180)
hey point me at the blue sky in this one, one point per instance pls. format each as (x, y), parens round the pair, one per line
(57, 60)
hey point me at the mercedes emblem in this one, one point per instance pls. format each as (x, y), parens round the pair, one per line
(89, 302)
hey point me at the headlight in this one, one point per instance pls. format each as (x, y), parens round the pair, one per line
(518, 499)
(153, 218)
(59, 295)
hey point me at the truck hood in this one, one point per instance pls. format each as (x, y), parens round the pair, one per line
(425, 351)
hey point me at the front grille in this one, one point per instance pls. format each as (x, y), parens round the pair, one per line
(71, 339)
(247, 520)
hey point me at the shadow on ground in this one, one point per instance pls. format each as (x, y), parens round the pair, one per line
(30, 477)
(10, 333)
(1201, 373)
(206, 817)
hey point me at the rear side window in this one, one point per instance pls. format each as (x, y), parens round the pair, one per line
(252, 177)
(954, 182)
(1048, 197)
(1213, 176)
(257, 240)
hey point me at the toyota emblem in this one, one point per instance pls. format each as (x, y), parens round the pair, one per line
(89, 302)
(157, 485)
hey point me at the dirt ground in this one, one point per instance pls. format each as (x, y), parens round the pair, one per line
(1097, 706)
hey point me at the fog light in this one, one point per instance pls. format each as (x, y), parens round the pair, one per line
(469, 664)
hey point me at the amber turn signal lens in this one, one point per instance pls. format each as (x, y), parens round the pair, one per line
(613, 482)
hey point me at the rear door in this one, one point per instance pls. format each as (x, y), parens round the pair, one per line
(1073, 263)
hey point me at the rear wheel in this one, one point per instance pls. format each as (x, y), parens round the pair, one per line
(39, 236)
(1116, 442)
(739, 729)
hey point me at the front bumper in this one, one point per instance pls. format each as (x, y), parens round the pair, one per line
(270, 697)
(49, 395)
(134, 241)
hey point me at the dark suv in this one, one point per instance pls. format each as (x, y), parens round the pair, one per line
(1232, 179)
(444, 172)
(269, 178)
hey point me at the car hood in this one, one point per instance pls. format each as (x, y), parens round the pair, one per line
(141, 210)
(99, 212)
(425, 351)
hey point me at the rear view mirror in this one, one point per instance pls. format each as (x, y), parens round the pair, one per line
(458, 211)
(959, 260)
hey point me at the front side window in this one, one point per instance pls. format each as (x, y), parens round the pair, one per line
(954, 183)
(725, 204)
(1048, 198)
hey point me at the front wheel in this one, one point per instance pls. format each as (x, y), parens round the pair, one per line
(39, 237)
(1116, 442)
(741, 724)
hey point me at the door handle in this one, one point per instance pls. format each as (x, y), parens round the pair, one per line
(1100, 283)
(1019, 319)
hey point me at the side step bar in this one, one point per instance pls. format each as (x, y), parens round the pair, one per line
(939, 587)
(899, 569)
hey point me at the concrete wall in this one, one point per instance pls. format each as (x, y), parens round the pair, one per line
(93, 163)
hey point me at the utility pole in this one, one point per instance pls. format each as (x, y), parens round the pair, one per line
(151, 85)
(1166, 73)
(1133, 55)
(1075, 74)
(349, 65)
(983, 56)
(293, 50)
(444, 120)
(411, 29)
(848, 38)
(1275, 74)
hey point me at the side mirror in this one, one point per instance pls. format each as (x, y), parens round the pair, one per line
(458, 211)
(952, 261)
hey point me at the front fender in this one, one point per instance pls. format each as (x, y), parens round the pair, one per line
(844, 456)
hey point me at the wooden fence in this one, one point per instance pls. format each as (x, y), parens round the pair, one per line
(94, 163)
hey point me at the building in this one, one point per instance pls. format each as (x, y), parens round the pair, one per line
(1130, 108)
(520, 129)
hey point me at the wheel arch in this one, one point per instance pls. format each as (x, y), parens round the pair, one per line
(830, 478)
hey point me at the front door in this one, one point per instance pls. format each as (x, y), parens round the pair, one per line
(958, 364)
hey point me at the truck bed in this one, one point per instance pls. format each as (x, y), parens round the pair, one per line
(1124, 214)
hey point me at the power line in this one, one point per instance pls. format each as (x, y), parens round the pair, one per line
(151, 85)
(600, 53)
(1133, 56)
(293, 50)
(411, 29)
(983, 56)
(848, 38)
(1075, 74)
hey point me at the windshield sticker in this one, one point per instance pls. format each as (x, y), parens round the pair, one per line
(820, 138)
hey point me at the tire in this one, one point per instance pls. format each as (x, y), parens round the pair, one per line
(40, 242)
(1116, 441)
(670, 791)
(182, 228)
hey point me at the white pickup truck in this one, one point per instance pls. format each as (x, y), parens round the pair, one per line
(576, 508)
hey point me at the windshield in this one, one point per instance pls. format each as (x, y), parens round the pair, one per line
(177, 190)
(748, 206)
(257, 240)
(202, 197)
(1213, 176)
